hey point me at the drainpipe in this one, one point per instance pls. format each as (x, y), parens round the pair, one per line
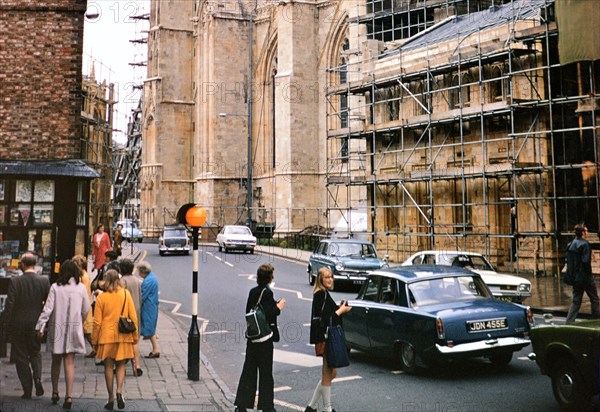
(249, 143)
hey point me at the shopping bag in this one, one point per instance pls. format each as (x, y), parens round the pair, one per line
(336, 352)
(257, 327)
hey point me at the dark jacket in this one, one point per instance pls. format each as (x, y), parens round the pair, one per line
(324, 307)
(27, 295)
(579, 263)
(269, 306)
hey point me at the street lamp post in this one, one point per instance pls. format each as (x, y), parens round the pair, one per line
(193, 216)
(248, 157)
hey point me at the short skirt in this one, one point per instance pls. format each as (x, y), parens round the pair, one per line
(116, 351)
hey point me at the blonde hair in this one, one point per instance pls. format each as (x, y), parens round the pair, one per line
(81, 261)
(319, 281)
(112, 281)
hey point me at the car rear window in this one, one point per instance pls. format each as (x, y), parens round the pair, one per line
(175, 233)
(444, 290)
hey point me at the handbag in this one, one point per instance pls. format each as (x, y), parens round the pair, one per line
(336, 352)
(257, 327)
(126, 325)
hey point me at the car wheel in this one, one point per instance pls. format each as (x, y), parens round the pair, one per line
(501, 359)
(220, 248)
(311, 279)
(161, 253)
(568, 385)
(408, 358)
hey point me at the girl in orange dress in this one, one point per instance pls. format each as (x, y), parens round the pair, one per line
(111, 346)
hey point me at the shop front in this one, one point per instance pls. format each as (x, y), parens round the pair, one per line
(44, 207)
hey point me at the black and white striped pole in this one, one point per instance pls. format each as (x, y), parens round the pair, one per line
(193, 216)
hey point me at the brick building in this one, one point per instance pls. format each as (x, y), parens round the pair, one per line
(44, 186)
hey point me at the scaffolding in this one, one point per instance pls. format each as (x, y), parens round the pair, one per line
(453, 124)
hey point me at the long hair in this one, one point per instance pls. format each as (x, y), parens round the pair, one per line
(80, 261)
(319, 282)
(113, 282)
(68, 270)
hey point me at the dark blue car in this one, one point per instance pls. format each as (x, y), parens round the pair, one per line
(423, 315)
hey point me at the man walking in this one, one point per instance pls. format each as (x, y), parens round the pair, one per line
(26, 297)
(579, 270)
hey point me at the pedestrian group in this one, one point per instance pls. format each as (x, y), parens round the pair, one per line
(75, 312)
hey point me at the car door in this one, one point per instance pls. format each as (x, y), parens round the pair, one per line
(387, 319)
(356, 322)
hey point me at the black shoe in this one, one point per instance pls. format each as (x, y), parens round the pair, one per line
(26, 396)
(109, 405)
(309, 409)
(67, 403)
(39, 389)
(240, 409)
(120, 401)
(139, 372)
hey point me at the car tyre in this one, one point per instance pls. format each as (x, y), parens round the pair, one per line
(408, 358)
(311, 279)
(501, 359)
(220, 248)
(568, 386)
(161, 253)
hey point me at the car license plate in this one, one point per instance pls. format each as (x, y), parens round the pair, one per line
(474, 326)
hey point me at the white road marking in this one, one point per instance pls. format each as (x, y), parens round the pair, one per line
(298, 294)
(295, 358)
(176, 305)
(347, 378)
(288, 406)
(282, 388)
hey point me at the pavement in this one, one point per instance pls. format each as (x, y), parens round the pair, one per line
(164, 385)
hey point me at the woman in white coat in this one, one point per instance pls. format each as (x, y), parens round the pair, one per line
(64, 313)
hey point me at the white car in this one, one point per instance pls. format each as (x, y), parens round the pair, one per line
(130, 231)
(503, 286)
(236, 238)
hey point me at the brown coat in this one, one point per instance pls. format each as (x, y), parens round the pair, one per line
(106, 318)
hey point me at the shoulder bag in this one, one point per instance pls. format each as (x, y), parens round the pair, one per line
(126, 325)
(336, 352)
(316, 324)
(257, 327)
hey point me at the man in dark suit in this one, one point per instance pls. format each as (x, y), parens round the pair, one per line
(26, 297)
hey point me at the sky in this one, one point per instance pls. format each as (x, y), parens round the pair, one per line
(108, 30)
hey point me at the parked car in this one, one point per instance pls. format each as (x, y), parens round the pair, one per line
(503, 286)
(130, 231)
(348, 259)
(233, 237)
(174, 239)
(570, 356)
(427, 315)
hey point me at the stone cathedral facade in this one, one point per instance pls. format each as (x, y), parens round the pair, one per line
(223, 66)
